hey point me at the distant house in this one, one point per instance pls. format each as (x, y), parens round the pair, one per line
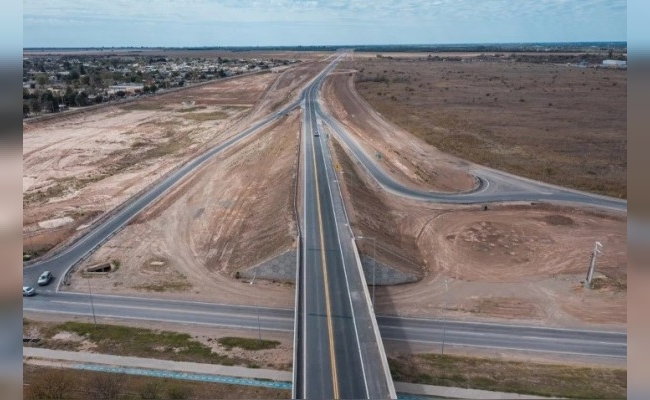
(614, 63)
(126, 87)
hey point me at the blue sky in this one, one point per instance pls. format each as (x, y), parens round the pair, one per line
(85, 23)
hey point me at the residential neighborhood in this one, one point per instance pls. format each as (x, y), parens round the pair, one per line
(56, 83)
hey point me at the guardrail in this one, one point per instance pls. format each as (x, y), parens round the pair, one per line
(297, 323)
(375, 327)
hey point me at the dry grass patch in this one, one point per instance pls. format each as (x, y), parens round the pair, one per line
(173, 286)
(206, 116)
(229, 342)
(129, 341)
(50, 383)
(566, 126)
(144, 106)
(191, 109)
(511, 376)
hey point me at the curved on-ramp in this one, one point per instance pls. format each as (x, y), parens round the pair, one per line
(492, 185)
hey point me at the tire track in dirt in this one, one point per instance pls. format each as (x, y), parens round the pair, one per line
(239, 206)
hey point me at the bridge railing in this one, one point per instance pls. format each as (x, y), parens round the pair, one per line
(375, 327)
(296, 387)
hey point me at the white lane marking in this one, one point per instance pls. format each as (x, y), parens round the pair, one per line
(186, 323)
(304, 254)
(383, 316)
(171, 310)
(347, 283)
(173, 301)
(504, 335)
(509, 348)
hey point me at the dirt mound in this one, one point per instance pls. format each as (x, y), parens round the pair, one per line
(502, 246)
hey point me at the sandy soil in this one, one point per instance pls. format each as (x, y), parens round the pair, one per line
(518, 263)
(82, 166)
(287, 87)
(408, 158)
(85, 165)
(233, 213)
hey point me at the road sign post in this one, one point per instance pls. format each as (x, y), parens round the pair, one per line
(257, 308)
(592, 264)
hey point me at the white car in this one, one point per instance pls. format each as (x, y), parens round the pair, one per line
(45, 278)
(28, 291)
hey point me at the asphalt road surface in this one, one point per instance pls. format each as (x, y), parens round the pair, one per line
(407, 330)
(333, 361)
(492, 185)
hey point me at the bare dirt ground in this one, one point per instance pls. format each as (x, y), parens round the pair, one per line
(79, 167)
(517, 263)
(235, 212)
(84, 165)
(287, 87)
(551, 122)
(408, 158)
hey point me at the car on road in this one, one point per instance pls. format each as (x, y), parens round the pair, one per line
(28, 291)
(45, 278)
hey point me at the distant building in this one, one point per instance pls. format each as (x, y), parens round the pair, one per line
(614, 63)
(126, 87)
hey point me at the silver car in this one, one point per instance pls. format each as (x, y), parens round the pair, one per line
(28, 291)
(45, 278)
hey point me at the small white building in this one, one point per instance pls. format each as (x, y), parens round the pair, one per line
(614, 63)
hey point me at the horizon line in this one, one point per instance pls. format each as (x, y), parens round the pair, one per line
(329, 45)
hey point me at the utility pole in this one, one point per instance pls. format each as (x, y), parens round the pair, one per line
(444, 319)
(92, 305)
(592, 265)
(259, 329)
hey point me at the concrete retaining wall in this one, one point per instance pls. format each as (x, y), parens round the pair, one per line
(384, 274)
(280, 268)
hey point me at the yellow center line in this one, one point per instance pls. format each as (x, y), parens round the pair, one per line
(330, 329)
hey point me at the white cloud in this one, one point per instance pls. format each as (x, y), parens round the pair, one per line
(424, 19)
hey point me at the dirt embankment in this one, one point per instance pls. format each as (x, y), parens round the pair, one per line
(390, 233)
(405, 156)
(233, 213)
(555, 123)
(519, 263)
(79, 167)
